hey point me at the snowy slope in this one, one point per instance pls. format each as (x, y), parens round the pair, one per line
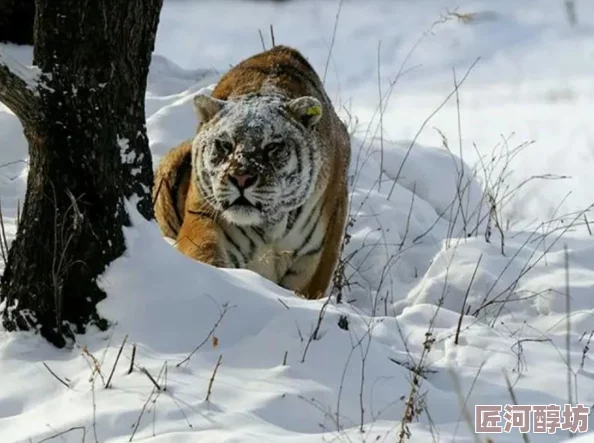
(297, 371)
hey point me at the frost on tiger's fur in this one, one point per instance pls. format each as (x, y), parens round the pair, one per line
(263, 184)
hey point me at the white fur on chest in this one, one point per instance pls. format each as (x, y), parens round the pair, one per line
(273, 260)
(278, 250)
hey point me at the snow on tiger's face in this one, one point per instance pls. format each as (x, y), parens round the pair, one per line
(257, 158)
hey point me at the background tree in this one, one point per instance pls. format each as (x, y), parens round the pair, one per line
(82, 110)
(16, 21)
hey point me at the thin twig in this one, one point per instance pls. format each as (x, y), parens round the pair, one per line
(568, 324)
(466, 298)
(587, 224)
(463, 400)
(512, 394)
(155, 391)
(314, 335)
(93, 364)
(410, 210)
(150, 377)
(3, 241)
(132, 359)
(3, 165)
(165, 375)
(412, 143)
(210, 333)
(94, 411)
(67, 431)
(137, 424)
(262, 40)
(108, 384)
(381, 122)
(586, 348)
(272, 36)
(332, 41)
(413, 368)
(212, 378)
(54, 374)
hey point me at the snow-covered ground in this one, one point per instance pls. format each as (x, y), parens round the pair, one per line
(425, 244)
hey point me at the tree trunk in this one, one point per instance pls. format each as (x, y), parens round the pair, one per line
(16, 21)
(88, 153)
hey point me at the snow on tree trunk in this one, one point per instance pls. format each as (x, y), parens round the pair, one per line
(83, 115)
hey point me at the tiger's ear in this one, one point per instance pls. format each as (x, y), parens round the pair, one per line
(307, 109)
(206, 107)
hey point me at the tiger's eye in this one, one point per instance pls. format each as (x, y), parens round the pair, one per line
(274, 147)
(223, 147)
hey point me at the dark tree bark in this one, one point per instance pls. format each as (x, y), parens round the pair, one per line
(16, 21)
(84, 120)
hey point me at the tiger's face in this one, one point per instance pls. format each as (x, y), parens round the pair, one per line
(256, 158)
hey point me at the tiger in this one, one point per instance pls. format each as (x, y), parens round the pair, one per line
(263, 184)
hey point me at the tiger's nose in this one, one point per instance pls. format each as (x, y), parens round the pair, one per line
(242, 181)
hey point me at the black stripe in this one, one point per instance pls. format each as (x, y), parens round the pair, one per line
(234, 260)
(311, 214)
(260, 233)
(243, 231)
(205, 182)
(310, 177)
(252, 247)
(200, 213)
(173, 198)
(293, 216)
(309, 235)
(299, 160)
(294, 176)
(289, 273)
(290, 118)
(230, 240)
(175, 231)
(315, 250)
(296, 197)
(182, 170)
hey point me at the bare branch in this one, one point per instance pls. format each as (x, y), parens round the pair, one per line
(151, 378)
(55, 376)
(107, 385)
(18, 89)
(316, 331)
(214, 374)
(210, 334)
(132, 359)
(67, 431)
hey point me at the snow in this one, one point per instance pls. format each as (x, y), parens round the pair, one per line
(126, 156)
(425, 243)
(28, 74)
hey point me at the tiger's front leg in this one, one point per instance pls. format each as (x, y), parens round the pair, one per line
(311, 275)
(198, 238)
(299, 276)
